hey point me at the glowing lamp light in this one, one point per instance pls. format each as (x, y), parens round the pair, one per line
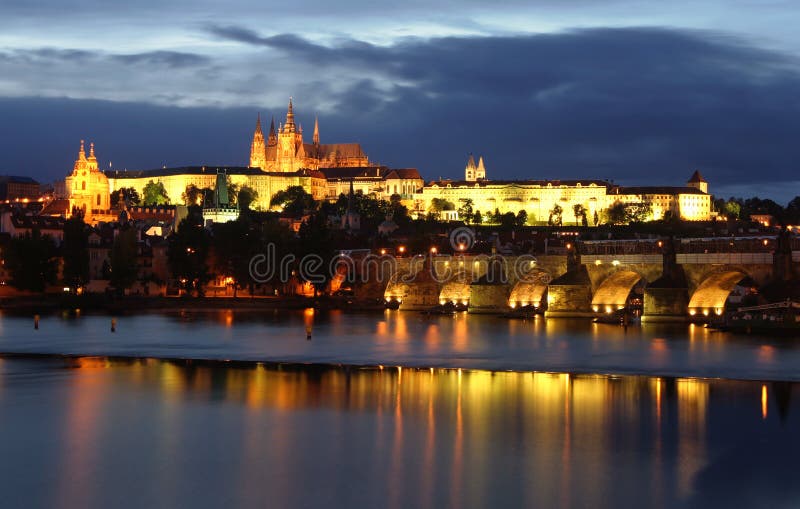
(434, 250)
(609, 309)
(766, 242)
(705, 312)
(598, 262)
(569, 246)
(401, 249)
(464, 302)
(596, 308)
(718, 311)
(660, 244)
(383, 252)
(441, 302)
(512, 304)
(692, 312)
(615, 263)
(462, 247)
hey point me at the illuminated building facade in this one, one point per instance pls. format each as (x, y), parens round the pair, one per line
(87, 188)
(538, 198)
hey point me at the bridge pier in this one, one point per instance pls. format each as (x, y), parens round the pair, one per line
(488, 298)
(665, 305)
(570, 295)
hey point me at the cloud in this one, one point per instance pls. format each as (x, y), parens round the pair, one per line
(170, 59)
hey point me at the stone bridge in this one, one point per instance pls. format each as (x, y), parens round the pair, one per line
(672, 279)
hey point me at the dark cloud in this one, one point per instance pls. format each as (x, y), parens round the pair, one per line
(170, 59)
(646, 105)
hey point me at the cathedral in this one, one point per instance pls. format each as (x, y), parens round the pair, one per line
(87, 189)
(285, 151)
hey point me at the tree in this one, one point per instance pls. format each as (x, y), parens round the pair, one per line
(31, 260)
(123, 259)
(128, 194)
(246, 196)
(555, 215)
(154, 193)
(793, 211)
(75, 253)
(616, 213)
(438, 205)
(315, 243)
(194, 195)
(477, 218)
(465, 211)
(294, 201)
(187, 252)
(638, 212)
(233, 192)
(732, 209)
(233, 245)
(579, 211)
(521, 219)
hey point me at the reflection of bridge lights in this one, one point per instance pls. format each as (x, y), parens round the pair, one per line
(763, 401)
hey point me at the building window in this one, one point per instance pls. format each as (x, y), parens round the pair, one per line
(98, 199)
(83, 185)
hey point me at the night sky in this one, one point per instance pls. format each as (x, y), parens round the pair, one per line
(633, 91)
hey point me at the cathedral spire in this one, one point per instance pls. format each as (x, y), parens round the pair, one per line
(480, 171)
(82, 153)
(289, 125)
(91, 151)
(316, 131)
(257, 149)
(273, 138)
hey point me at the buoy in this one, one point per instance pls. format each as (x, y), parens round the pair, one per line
(113, 325)
(36, 322)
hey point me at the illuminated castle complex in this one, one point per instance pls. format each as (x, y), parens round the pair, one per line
(285, 151)
(326, 171)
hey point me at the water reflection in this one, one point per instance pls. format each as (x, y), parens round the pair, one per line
(238, 435)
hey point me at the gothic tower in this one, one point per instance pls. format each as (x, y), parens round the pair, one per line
(469, 171)
(273, 138)
(290, 144)
(258, 152)
(480, 171)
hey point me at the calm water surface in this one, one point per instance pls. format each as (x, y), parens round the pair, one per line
(93, 432)
(98, 433)
(412, 339)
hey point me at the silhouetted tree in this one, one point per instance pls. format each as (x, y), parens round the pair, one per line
(31, 260)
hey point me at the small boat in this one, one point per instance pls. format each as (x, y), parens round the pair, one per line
(622, 316)
(779, 317)
(523, 312)
(447, 308)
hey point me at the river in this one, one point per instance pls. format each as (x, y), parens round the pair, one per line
(392, 410)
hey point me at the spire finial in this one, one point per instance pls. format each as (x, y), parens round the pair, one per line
(91, 149)
(316, 131)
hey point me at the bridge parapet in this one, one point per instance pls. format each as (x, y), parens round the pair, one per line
(724, 258)
(621, 259)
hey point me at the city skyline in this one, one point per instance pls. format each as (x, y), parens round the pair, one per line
(633, 92)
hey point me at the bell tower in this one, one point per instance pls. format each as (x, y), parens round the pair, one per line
(258, 151)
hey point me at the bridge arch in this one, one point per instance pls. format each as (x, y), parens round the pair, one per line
(614, 291)
(712, 293)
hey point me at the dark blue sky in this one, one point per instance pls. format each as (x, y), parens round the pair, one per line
(634, 91)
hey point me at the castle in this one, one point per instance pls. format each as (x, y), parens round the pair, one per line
(285, 151)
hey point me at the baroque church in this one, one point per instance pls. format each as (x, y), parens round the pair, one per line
(285, 150)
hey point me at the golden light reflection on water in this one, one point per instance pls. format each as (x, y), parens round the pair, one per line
(430, 426)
